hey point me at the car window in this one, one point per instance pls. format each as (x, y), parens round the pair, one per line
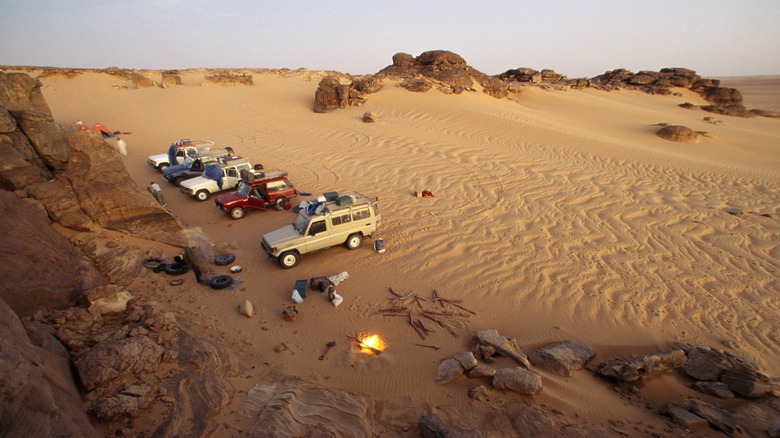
(274, 186)
(232, 172)
(317, 227)
(341, 219)
(361, 213)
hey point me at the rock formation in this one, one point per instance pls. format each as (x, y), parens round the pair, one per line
(227, 80)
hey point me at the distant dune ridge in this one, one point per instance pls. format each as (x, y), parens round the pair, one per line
(615, 282)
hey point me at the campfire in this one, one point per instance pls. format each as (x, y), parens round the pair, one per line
(371, 344)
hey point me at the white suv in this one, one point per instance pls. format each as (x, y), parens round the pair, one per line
(344, 220)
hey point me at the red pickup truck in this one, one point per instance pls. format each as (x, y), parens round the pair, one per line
(255, 192)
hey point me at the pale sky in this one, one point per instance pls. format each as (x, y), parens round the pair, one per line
(581, 38)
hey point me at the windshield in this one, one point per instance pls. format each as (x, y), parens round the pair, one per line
(187, 162)
(300, 223)
(243, 189)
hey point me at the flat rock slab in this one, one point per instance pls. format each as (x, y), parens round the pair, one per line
(562, 358)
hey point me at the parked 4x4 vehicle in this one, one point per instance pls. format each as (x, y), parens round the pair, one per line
(215, 178)
(177, 151)
(191, 166)
(344, 220)
(255, 192)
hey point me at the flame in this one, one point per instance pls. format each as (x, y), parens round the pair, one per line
(372, 341)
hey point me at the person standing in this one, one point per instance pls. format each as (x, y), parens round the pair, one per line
(121, 146)
(192, 260)
(156, 191)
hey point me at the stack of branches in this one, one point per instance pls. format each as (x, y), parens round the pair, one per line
(425, 314)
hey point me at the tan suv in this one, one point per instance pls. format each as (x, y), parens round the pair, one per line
(340, 220)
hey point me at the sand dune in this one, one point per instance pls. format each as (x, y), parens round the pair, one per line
(557, 215)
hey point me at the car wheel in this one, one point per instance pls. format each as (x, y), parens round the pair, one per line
(178, 180)
(220, 281)
(202, 195)
(280, 203)
(237, 212)
(175, 269)
(224, 259)
(288, 259)
(153, 262)
(162, 166)
(354, 241)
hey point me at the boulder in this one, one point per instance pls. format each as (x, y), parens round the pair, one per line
(681, 134)
(332, 94)
(466, 360)
(634, 368)
(370, 117)
(20, 165)
(482, 371)
(432, 426)
(246, 309)
(745, 384)
(562, 358)
(108, 299)
(517, 379)
(704, 363)
(502, 346)
(449, 370)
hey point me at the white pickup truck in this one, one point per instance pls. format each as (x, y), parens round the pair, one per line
(217, 177)
(184, 148)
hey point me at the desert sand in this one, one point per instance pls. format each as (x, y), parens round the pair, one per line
(557, 215)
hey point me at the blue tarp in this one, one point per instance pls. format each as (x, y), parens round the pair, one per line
(215, 172)
(172, 154)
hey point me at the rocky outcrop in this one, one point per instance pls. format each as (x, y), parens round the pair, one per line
(297, 407)
(633, 368)
(227, 80)
(335, 92)
(138, 80)
(61, 271)
(42, 379)
(170, 78)
(149, 360)
(443, 69)
(432, 426)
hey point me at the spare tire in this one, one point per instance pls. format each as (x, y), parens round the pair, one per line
(225, 259)
(153, 262)
(220, 281)
(175, 269)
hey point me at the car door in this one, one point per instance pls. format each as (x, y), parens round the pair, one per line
(318, 234)
(231, 178)
(255, 200)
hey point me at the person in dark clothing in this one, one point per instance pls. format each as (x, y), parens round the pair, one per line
(191, 258)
